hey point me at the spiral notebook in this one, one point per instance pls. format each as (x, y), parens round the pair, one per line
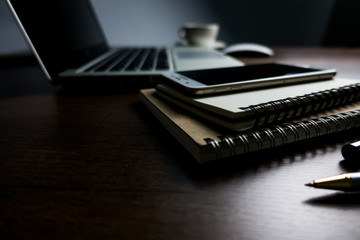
(207, 142)
(253, 109)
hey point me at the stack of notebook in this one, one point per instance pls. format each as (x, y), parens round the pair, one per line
(221, 126)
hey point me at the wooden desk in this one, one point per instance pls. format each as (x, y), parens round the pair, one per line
(99, 166)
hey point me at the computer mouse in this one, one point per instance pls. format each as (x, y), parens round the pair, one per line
(248, 50)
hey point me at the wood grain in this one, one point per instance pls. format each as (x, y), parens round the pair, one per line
(97, 165)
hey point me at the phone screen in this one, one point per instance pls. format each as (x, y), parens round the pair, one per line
(238, 74)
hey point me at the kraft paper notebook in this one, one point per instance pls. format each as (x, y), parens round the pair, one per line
(206, 141)
(252, 109)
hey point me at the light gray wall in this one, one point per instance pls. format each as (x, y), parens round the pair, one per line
(11, 39)
(149, 21)
(155, 22)
(275, 22)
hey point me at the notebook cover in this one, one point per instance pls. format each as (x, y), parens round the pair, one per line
(208, 142)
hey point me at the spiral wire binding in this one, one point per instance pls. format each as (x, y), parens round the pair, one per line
(294, 131)
(265, 138)
(288, 109)
(282, 133)
(230, 143)
(303, 105)
(216, 146)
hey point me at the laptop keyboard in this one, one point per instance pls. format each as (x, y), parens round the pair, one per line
(133, 59)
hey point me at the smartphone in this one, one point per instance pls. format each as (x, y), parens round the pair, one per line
(220, 80)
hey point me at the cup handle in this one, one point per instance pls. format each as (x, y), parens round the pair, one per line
(182, 33)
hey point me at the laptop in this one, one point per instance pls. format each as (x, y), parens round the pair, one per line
(67, 40)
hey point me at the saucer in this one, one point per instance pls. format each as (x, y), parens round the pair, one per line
(217, 45)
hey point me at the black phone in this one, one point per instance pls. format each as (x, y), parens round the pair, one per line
(220, 80)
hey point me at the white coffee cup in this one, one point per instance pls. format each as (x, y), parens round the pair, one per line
(199, 34)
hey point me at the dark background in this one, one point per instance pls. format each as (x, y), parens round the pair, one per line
(99, 165)
(154, 22)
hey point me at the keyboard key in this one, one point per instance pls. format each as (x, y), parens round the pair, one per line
(125, 60)
(137, 61)
(163, 61)
(133, 59)
(150, 60)
(105, 63)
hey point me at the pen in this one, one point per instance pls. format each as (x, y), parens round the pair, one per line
(343, 182)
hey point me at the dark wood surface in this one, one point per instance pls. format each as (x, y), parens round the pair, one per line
(97, 165)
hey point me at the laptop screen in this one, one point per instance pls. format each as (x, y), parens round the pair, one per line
(65, 33)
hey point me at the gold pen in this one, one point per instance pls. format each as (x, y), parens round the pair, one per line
(343, 182)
